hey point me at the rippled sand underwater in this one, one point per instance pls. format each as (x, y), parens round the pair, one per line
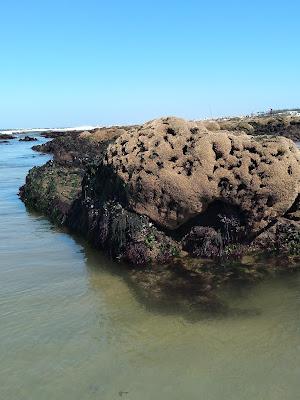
(72, 328)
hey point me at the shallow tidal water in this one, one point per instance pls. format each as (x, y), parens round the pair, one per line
(72, 328)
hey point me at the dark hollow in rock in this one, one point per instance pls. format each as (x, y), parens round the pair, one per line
(228, 219)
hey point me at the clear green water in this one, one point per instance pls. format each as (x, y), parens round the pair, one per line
(71, 328)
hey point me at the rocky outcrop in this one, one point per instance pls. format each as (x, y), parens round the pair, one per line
(282, 124)
(28, 139)
(186, 204)
(80, 149)
(5, 137)
(174, 170)
(150, 193)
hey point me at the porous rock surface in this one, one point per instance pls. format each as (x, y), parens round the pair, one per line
(174, 169)
(102, 134)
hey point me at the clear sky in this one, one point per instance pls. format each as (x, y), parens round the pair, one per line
(66, 63)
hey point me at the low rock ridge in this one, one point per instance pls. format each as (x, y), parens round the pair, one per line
(277, 124)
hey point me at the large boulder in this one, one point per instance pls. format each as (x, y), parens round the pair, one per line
(173, 170)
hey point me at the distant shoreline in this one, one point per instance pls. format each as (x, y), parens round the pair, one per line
(44, 130)
(295, 112)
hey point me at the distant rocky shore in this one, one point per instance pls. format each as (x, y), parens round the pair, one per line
(188, 205)
(281, 124)
(5, 137)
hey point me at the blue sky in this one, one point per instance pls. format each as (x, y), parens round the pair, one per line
(66, 63)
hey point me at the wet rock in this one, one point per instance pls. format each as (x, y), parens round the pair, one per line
(136, 254)
(283, 237)
(5, 136)
(203, 242)
(28, 139)
(52, 189)
(71, 150)
(122, 234)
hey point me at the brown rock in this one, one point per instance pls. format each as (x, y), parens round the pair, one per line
(173, 169)
(103, 134)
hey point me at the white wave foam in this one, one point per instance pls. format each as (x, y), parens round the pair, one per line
(31, 130)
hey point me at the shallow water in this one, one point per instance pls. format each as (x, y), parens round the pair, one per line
(71, 327)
